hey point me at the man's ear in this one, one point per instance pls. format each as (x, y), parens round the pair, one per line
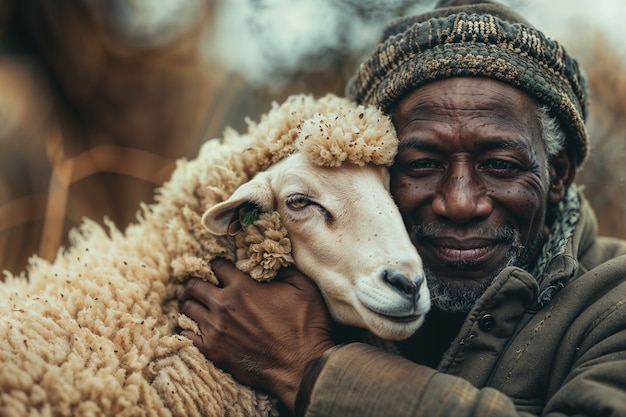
(224, 218)
(562, 174)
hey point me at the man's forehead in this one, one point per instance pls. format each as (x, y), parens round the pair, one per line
(462, 93)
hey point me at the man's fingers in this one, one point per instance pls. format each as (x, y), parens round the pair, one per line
(198, 289)
(195, 338)
(194, 310)
(201, 315)
(225, 271)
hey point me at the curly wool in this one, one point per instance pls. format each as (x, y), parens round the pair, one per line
(330, 139)
(95, 332)
(264, 247)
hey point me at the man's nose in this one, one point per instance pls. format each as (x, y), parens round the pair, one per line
(461, 197)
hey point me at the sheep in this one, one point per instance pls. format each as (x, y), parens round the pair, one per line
(96, 331)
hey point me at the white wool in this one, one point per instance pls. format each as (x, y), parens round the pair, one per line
(95, 331)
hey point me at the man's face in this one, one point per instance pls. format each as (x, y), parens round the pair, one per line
(471, 180)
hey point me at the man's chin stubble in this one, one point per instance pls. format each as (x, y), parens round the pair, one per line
(461, 296)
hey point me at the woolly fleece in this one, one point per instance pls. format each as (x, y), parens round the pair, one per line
(95, 332)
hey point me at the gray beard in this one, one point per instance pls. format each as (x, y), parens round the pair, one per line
(461, 298)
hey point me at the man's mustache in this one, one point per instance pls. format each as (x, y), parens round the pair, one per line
(503, 234)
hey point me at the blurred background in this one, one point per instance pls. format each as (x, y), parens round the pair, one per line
(99, 98)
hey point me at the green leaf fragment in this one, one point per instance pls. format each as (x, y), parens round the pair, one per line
(250, 217)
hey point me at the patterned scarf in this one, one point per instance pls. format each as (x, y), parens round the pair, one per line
(566, 214)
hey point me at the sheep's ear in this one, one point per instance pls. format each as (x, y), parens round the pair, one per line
(226, 217)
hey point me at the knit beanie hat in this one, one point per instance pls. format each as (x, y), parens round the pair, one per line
(464, 38)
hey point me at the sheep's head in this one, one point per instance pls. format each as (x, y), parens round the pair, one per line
(346, 233)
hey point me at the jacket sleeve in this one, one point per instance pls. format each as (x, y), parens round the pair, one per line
(361, 380)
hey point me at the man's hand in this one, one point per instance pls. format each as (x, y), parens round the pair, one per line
(264, 334)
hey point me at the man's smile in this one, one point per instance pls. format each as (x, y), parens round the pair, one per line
(452, 251)
(474, 256)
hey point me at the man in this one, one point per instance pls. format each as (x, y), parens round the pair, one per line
(529, 309)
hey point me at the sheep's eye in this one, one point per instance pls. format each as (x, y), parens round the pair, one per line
(298, 201)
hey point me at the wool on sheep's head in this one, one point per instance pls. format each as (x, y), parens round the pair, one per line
(329, 130)
(353, 134)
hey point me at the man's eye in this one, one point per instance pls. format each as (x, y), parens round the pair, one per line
(297, 202)
(424, 164)
(416, 167)
(500, 166)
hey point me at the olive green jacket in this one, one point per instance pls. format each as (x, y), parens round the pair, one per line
(514, 356)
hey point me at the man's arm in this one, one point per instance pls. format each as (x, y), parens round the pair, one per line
(265, 335)
(364, 381)
(361, 380)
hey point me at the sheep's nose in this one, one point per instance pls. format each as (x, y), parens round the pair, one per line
(402, 283)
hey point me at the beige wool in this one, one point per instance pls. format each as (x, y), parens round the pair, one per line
(95, 332)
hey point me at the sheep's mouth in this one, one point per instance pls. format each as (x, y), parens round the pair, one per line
(383, 304)
(403, 319)
(396, 316)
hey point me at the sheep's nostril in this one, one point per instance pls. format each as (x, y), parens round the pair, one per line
(400, 282)
(419, 280)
